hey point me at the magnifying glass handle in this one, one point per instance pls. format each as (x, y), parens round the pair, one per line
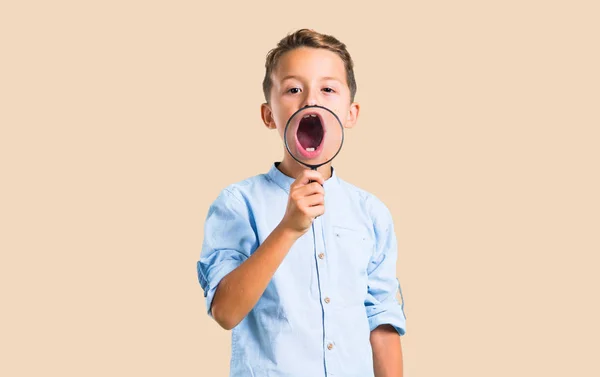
(311, 181)
(312, 168)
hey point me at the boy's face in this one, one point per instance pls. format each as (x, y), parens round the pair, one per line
(308, 76)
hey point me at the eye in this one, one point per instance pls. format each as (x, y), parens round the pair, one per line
(329, 90)
(294, 90)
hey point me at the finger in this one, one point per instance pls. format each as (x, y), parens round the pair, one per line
(316, 211)
(312, 200)
(309, 189)
(309, 175)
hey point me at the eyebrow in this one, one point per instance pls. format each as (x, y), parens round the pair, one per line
(331, 78)
(288, 77)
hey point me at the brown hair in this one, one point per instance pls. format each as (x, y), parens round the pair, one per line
(308, 38)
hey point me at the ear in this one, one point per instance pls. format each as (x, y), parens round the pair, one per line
(352, 116)
(267, 116)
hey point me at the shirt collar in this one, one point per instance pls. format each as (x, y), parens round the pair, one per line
(285, 181)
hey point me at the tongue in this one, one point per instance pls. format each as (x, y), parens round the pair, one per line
(310, 133)
(307, 140)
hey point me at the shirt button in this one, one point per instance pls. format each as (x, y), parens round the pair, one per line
(327, 300)
(330, 346)
(321, 255)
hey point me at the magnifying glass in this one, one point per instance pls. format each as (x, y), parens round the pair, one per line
(313, 136)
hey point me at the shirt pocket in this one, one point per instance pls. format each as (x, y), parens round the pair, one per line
(353, 251)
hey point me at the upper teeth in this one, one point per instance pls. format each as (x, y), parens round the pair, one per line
(310, 115)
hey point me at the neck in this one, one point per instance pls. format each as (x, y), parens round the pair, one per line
(293, 168)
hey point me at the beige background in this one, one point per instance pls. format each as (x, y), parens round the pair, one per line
(122, 120)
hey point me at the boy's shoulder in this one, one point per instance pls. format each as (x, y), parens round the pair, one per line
(355, 190)
(371, 201)
(246, 187)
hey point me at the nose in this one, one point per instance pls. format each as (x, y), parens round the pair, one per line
(310, 99)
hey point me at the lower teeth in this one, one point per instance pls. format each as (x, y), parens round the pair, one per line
(310, 149)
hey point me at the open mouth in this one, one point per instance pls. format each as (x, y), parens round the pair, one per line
(310, 135)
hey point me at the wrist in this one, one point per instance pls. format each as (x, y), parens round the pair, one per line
(287, 233)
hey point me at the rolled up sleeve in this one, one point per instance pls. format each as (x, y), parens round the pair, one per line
(384, 302)
(229, 239)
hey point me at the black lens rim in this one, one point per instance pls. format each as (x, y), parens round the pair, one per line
(313, 167)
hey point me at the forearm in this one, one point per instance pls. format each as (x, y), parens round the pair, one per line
(387, 352)
(240, 290)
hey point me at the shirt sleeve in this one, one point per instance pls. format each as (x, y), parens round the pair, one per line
(229, 239)
(381, 303)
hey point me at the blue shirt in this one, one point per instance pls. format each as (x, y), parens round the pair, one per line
(337, 283)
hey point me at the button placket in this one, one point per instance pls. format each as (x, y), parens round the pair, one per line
(326, 302)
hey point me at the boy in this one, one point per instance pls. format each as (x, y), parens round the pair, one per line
(307, 292)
